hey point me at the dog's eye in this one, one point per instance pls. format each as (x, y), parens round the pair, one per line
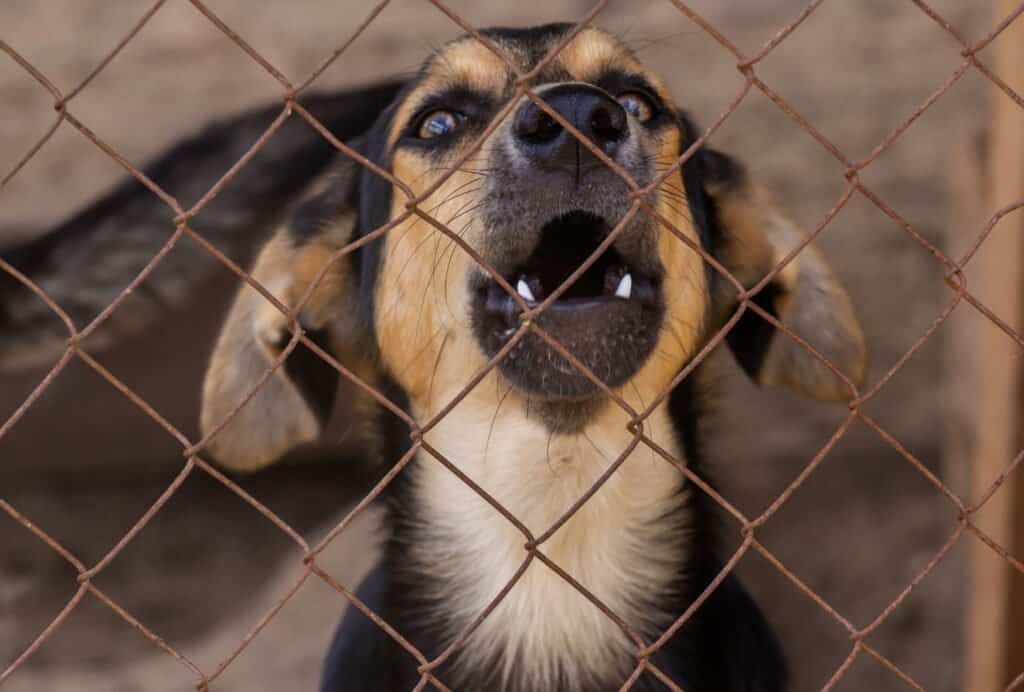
(438, 123)
(637, 105)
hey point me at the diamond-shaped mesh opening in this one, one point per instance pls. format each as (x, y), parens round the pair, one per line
(760, 42)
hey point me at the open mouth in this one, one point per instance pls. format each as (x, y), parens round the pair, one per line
(608, 318)
(565, 244)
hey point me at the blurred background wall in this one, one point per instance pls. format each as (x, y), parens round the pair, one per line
(85, 464)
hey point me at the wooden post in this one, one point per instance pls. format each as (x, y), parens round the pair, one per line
(995, 603)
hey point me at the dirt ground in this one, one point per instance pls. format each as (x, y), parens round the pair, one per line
(84, 464)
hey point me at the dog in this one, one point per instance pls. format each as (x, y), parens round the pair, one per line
(419, 318)
(414, 315)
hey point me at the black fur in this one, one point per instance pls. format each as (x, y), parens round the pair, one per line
(315, 378)
(73, 260)
(373, 202)
(752, 335)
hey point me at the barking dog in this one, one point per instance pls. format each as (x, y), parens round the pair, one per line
(412, 312)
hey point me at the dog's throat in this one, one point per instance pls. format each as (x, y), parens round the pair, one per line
(626, 545)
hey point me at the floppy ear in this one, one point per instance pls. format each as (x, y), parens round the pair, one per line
(292, 405)
(85, 261)
(805, 296)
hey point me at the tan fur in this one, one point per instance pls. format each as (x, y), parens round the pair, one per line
(421, 291)
(277, 417)
(816, 307)
(746, 251)
(685, 287)
(592, 51)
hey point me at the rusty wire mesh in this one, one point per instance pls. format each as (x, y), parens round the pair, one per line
(746, 526)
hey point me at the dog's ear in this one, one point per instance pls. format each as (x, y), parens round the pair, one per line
(86, 261)
(806, 297)
(293, 403)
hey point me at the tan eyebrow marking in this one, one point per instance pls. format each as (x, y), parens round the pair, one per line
(466, 63)
(594, 52)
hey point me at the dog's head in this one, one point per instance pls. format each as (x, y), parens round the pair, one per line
(535, 204)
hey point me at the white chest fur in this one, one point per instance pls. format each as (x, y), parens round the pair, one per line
(618, 545)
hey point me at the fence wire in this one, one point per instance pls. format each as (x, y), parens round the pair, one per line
(747, 526)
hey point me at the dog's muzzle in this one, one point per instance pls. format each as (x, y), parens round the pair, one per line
(551, 204)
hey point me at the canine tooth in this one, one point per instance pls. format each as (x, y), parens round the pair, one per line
(523, 289)
(625, 287)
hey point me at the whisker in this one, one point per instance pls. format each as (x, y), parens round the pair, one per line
(437, 366)
(494, 419)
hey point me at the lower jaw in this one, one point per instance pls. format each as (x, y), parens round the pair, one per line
(612, 338)
(564, 416)
(541, 372)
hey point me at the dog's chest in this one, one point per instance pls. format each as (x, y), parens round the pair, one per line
(625, 545)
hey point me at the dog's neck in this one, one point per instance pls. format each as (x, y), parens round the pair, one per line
(626, 545)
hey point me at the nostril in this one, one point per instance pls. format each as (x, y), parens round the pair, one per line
(606, 126)
(546, 128)
(592, 114)
(536, 126)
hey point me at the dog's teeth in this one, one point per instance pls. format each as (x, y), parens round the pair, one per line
(625, 287)
(523, 289)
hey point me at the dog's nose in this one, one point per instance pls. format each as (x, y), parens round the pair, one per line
(547, 144)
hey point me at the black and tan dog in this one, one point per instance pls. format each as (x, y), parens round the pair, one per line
(412, 313)
(421, 318)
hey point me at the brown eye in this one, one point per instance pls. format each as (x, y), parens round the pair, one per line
(637, 105)
(437, 123)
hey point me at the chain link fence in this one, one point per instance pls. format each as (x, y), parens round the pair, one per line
(746, 526)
